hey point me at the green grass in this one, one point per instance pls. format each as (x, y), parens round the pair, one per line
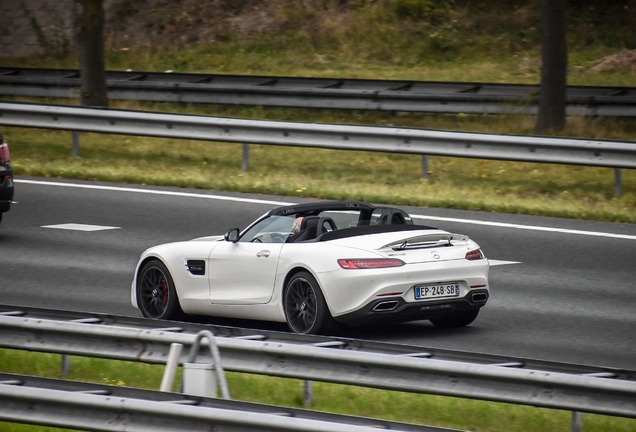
(358, 401)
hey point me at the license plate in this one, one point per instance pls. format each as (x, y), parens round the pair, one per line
(436, 291)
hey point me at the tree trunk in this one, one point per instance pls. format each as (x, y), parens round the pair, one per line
(554, 57)
(89, 25)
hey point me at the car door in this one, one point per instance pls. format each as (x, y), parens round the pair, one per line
(243, 273)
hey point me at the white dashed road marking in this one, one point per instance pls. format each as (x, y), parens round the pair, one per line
(80, 227)
(493, 262)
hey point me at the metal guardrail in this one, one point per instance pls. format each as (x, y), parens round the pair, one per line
(340, 93)
(69, 404)
(603, 153)
(331, 361)
(195, 328)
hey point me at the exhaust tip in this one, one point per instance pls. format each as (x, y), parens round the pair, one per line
(385, 306)
(480, 297)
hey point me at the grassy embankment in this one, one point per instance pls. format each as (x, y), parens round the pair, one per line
(373, 41)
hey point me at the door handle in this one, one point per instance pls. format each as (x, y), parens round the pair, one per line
(263, 254)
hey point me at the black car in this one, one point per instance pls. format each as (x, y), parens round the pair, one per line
(6, 177)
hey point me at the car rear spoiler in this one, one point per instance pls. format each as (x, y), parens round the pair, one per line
(426, 241)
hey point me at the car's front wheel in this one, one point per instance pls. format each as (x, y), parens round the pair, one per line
(306, 310)
(156, 294)
(456, 319)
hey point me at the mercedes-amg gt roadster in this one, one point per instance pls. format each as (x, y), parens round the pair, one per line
(317, 266)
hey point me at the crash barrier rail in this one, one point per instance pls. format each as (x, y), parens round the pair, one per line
(76, 405)
(570, 151)
(359, 94)
(596, 390)
(324, 341)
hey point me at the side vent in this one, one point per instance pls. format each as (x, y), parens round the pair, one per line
(196, 267)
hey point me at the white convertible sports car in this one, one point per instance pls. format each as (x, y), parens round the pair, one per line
(316, 266)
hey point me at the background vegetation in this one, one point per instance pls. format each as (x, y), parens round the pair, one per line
(445, 40)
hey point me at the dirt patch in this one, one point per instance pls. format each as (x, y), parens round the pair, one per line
(169, 23)
(254, 21)
(621, 61)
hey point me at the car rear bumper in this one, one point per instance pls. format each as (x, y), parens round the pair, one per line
(351, 291)
(396, 309)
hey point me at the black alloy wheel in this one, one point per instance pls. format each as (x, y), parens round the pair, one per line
(156, 295)
(305, 307)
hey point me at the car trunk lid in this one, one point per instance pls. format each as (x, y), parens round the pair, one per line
(414, 246)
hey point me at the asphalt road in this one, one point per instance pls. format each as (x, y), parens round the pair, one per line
(562, 290)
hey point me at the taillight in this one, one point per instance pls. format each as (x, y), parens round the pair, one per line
(370, 263)
(476, 254)
(4, 152)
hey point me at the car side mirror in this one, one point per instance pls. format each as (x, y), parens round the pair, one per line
(232, 235)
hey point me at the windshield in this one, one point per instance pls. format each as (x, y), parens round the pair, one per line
(274, 229)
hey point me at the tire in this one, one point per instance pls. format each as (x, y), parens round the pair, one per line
(306, 311)
(156, 294)
(457, 319)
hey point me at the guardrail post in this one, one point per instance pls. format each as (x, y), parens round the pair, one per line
(66, 365)
(577, 421)
(618, 182)
(308, 398)
(425, 160)
(76, 144)
(246, 157)
(171, 367)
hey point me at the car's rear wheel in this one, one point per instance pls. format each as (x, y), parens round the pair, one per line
(306, 310)
(457, 319)
(156, 294)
